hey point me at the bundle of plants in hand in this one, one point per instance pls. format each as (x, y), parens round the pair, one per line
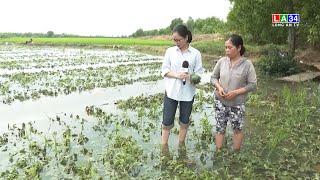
(195, 78)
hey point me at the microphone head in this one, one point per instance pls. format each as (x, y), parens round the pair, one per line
(185, 64)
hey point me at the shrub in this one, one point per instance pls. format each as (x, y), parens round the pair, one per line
(277, 62)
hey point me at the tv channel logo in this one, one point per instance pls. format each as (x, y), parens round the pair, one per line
(289, 20)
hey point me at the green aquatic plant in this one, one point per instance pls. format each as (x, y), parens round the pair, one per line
(124, 156)
(195, 78)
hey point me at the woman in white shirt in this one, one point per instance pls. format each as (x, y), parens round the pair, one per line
(179, 62)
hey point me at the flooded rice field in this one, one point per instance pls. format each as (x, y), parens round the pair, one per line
(81, 113)
(68, 112)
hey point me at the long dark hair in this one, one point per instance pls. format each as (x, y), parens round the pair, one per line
(183, 31)
(238, 41)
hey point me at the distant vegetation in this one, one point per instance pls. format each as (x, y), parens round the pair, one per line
(38, 35)
(88, 41)
(199, 26)
(252, 19)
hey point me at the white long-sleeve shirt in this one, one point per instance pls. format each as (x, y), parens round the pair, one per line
(173, 60)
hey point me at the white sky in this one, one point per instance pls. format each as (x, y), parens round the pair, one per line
(102, 17)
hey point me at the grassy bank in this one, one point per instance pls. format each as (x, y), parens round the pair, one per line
(88, 41)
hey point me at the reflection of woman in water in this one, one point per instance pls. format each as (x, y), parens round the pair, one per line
(233, 77)
(178, 89)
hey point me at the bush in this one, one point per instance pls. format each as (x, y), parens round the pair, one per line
(277, 62)
(210, 47)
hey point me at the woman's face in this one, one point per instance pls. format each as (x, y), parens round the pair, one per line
(180, 41)
(231, 50)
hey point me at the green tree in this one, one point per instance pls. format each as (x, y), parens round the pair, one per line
(253, 20)
(190, 24)
(50, 34)
(199, 26)
(138, 33)
(175, 22)
(165, 31)
(309, 26)
(209, 25)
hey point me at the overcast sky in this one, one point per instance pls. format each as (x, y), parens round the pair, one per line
(102, 17)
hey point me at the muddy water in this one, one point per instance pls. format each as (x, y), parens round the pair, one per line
(72, 67)
(39, 110)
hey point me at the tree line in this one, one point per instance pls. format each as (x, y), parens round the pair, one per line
(254, 20)
(199, 26)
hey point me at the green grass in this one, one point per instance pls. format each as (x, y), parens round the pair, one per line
(210, 47)
(88, 41)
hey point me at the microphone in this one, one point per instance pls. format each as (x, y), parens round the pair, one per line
(185, 69)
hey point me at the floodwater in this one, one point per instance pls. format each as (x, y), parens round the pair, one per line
(41, 111)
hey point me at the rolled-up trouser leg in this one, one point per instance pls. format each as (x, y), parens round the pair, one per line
(185, 108)
(169, 112)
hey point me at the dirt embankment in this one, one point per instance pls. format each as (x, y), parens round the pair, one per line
(309, 57)
(309, 62)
